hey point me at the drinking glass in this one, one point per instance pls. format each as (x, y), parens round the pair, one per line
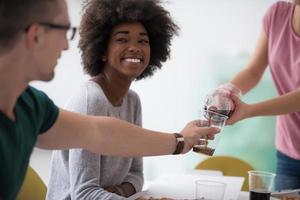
(210, 190)
(214, 119)
(260, 185)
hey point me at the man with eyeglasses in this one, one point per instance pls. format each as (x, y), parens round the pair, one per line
(70, 31)
(33, 33)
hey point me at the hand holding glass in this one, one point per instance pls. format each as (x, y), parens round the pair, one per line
(214, 119)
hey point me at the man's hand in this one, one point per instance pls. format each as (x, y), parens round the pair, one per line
(195, 130)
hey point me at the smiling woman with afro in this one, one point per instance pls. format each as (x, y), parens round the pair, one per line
(99, 18)
(121, 41)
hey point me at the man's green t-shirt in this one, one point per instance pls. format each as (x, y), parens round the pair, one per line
(35, 113)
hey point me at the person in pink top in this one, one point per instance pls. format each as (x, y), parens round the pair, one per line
(279, 48)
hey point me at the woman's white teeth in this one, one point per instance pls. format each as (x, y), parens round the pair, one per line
(134, 60)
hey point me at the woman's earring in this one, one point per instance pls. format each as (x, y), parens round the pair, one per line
(104, 58)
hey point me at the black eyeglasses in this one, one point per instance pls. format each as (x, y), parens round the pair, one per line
(70, 31)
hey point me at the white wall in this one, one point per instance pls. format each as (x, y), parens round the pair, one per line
(213, 33)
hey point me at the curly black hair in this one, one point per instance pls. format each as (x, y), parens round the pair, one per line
(99, 18)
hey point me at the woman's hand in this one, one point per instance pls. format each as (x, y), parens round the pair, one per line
(241, 110)
(126, 189)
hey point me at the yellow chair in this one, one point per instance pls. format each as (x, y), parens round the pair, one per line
(33, 187)
(230, 166)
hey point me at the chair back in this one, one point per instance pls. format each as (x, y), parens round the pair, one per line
(33, 187)
(230, 166)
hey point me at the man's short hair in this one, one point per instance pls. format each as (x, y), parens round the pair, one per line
(17, 15)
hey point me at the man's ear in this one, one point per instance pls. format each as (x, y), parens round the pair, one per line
(104, 58)
(34, 35)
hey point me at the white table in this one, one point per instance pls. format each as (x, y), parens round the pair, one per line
(182, 186)
(243, 196)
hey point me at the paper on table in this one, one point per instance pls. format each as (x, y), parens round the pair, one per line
(182, 186)
(286, 193)
(138, 195)
(205, 172)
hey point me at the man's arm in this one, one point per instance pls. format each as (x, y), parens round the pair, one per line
(110, 136)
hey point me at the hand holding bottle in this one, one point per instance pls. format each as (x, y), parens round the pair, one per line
(220, 100)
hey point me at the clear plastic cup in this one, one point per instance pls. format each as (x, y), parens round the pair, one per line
(214, 119)
(210, 190)
(260, 185)
(220, 102)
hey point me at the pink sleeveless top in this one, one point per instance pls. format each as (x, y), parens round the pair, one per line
(284, 62)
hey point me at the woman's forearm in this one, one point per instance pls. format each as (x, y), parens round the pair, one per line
(252, 73)
(127, 189)
(281, 105)
(246, 80)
